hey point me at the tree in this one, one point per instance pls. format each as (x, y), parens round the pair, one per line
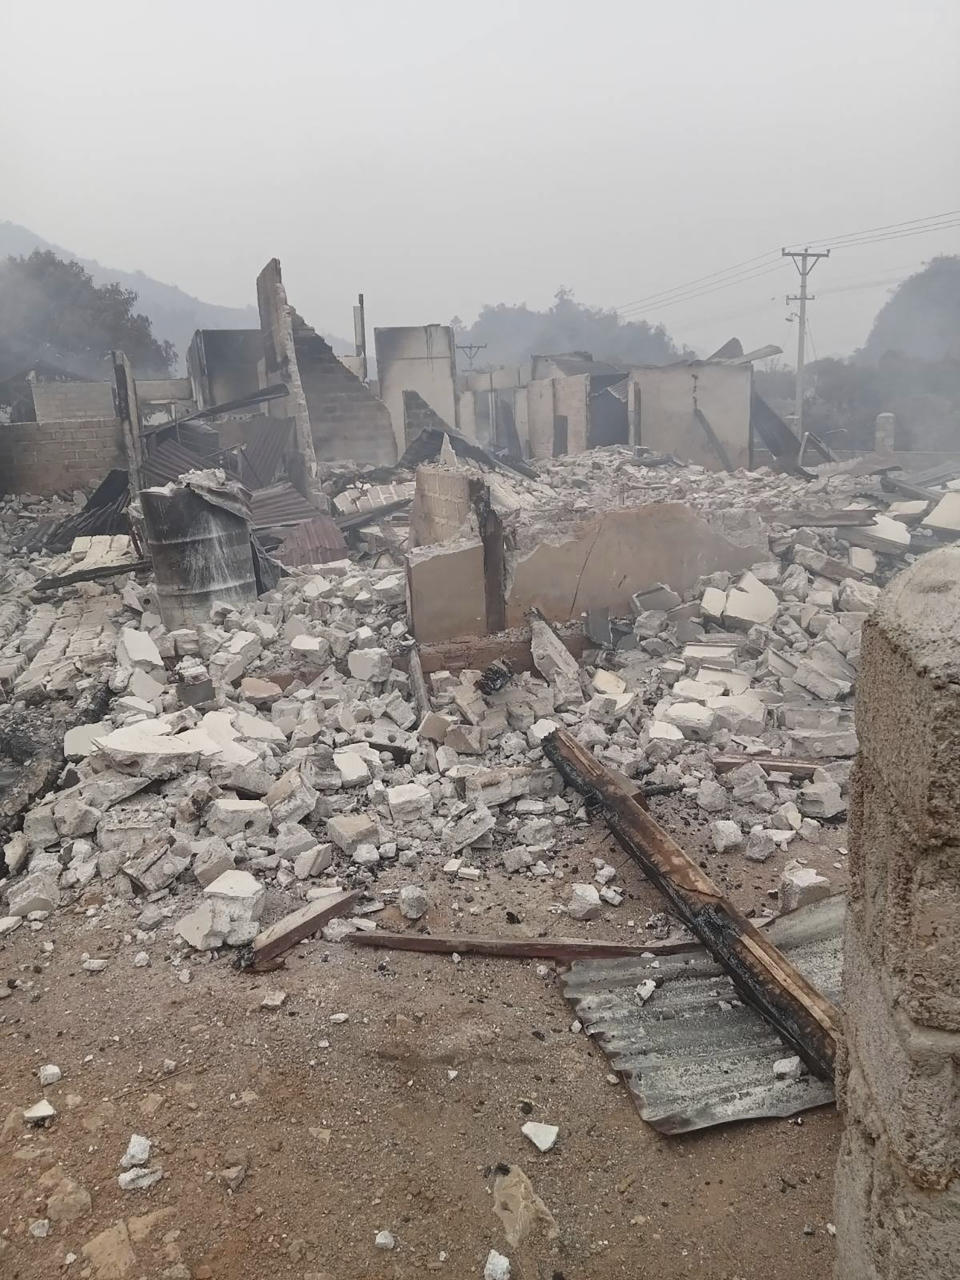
(922, 317)
(513, 333)
(51, 311)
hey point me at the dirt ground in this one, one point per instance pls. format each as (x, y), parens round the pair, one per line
(394, 1119)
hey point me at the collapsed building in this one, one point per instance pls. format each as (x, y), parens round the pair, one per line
(306, 638)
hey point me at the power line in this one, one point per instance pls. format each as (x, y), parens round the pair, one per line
(690, 295)
(743, 272)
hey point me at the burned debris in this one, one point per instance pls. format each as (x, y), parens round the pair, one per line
(316, 664)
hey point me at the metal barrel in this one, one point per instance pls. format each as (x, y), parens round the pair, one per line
(201, 555)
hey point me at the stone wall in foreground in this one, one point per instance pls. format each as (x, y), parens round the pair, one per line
(898, 1175)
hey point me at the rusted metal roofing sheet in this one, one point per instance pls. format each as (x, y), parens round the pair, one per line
(316, 541)
(261, 457)
(693, 1055)
(167, 460)
(280, 504)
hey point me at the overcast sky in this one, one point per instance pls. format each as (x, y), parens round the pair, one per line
(439, 156)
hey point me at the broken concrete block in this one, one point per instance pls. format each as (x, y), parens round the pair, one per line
(15, 851)
(211, 857)
(788, 1068)
(518, 859)
(540, 730)
(36, 891)
(741, 713)
(353, 769)
(711, 796)
(661, 598)
(945, 516)
(230, 817)
(700, 690)
(712, 604)
(551, 657)
(662, 731)
(584, 902)
(80, 741)
(435, 727)
(262, 693)
(821, 798)
(466, 739)
(543, 1136)
(857, 597)
(369, 664)
(291, 797)
(137, 649)
(726, 836)
(691, 718)
(760, 846)
(409, 802)
(350, 830)
(750, 602)
(467, 830)
(608, 682)
(799, 886)
(312, 861)
(292, 839)
(413, 902)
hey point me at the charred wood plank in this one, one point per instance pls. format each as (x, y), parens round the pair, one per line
(273, 942)
(563, 949)
(806, 1020)
(770, 764)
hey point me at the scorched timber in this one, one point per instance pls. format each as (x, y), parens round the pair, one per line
(807, 1021)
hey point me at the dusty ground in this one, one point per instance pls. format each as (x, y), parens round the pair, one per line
(394, 1119)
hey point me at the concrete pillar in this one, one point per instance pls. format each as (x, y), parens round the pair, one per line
(898, 1175)
(885, 433)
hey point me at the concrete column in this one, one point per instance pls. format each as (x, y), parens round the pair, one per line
(885, 433)
(898, 1175)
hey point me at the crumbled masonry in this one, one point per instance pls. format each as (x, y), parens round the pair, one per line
(281, 747)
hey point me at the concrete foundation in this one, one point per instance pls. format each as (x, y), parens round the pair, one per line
(898, 1175)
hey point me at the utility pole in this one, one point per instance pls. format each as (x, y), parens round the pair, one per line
(471, 350)
(804, 260)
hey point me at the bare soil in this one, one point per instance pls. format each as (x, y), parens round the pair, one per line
(394, 1119)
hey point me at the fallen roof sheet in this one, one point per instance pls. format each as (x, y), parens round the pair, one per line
(316, 541)
(694, 1055)
(280, 504)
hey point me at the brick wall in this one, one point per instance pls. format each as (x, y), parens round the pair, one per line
(348, 420)
(51, 457)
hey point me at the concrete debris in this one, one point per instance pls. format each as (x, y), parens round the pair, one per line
(496, 1267)
(543, 1136)
(288, 746)
(584, 902)
(800, 885)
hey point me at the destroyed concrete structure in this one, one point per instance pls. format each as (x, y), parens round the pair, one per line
(898, 1177)
(419, 358)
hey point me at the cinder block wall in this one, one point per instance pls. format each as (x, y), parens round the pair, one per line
(898, 1175)
(50, 457)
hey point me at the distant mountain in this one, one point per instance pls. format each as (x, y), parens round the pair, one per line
(174, 315)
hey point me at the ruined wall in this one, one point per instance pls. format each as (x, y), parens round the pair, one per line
(443, 502)
(418, 416)
(52, 457)
(78, 401)
(668, 398)
(604, 561)
(223, 363)
(540, 418)
(447, 591)
(335, 415)
(420, 358)
(571, 398)
(898, 1175)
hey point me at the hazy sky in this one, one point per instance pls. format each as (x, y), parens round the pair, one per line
(439, 156)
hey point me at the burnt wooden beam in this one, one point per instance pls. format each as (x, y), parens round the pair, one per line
(563, 949)
(273, 942)
(805, 1019)
(770, 764)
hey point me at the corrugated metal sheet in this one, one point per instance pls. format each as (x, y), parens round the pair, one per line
(316, 541)
(694, 1055)
(280, 504)
(261, 457)
(169, 459)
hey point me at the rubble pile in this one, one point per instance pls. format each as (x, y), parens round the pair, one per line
(282, 747)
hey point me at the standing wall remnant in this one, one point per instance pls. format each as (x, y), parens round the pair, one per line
(898, 1175)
